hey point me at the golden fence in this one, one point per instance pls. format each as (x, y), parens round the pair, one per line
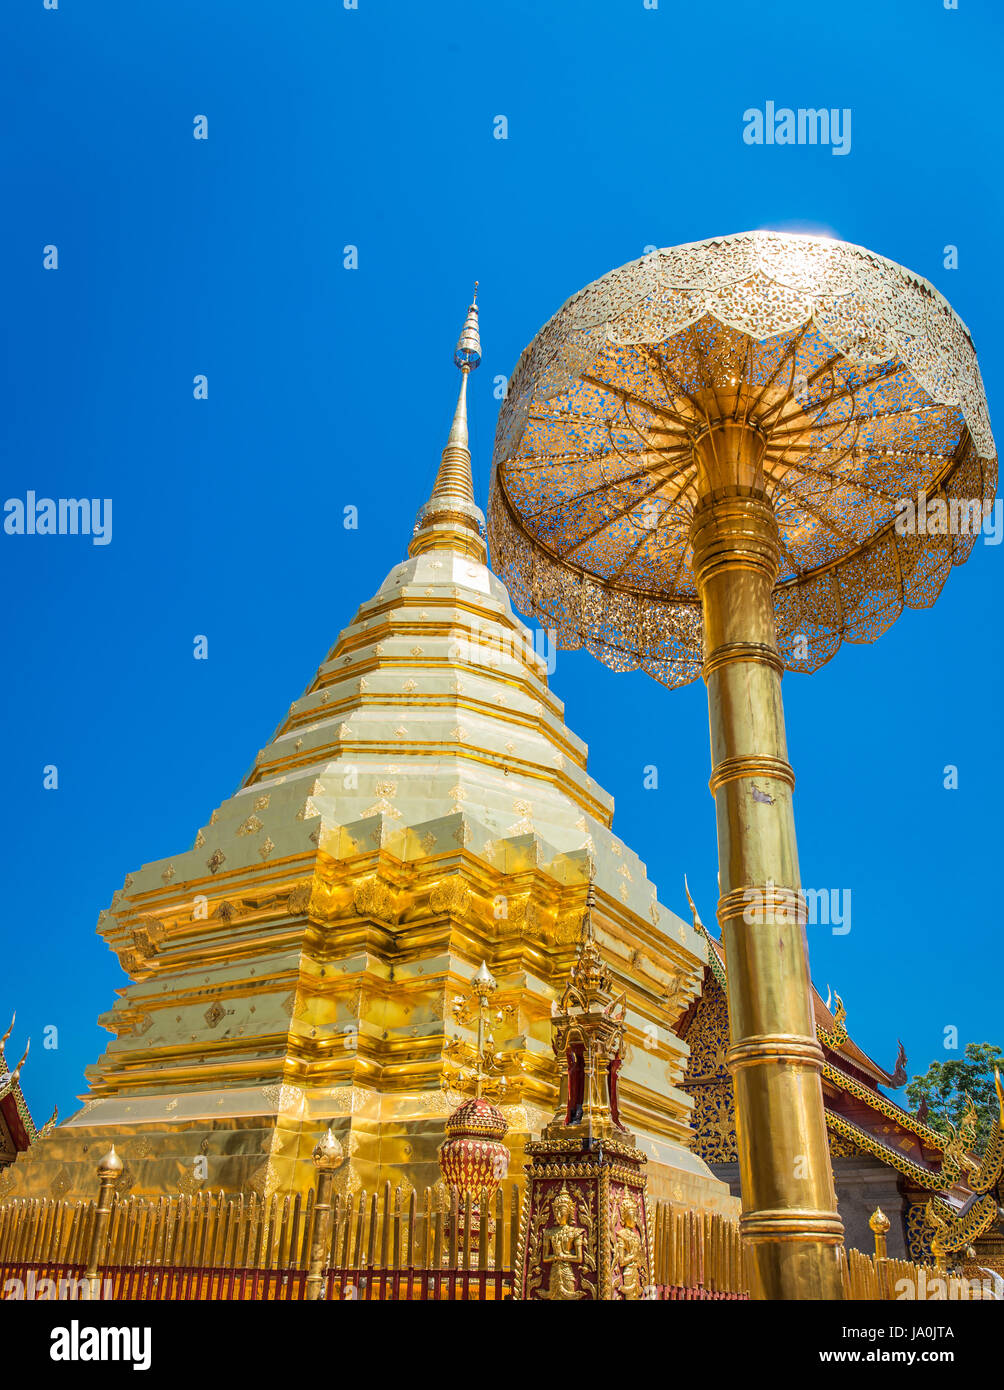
(404, 1246)
(394, 1245)
(390, 1245)
(873, 1277)
(699, 1253)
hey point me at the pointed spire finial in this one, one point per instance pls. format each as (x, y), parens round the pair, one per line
(111, 1165)
(467, 355)
(451, 520)
(587, 917)
(484, 981)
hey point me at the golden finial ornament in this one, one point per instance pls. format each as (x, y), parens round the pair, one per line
(473, 1157)
(451, 520)
(110, 1169)
(328, 1152)
(879, 1224)
(479, 1066)
(467, 354)
(111, 1166)
(327, 1156)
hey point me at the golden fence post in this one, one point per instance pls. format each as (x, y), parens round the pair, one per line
(879, 1223)
(109, 1171)
(327, 1156)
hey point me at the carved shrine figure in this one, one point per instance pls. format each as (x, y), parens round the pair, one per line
(629, 1253)
(563, 1249)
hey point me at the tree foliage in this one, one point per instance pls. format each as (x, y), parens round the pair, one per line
(944, 1087)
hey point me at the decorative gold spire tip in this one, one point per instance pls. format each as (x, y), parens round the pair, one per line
(451, 519)
(111, 1165)
(328, 1153)
(879, 1222)
(467, 355)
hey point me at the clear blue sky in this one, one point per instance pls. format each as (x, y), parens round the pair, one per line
(330, 387)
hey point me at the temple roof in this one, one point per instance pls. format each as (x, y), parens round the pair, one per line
(858, 1112)
(15, 1116)
(847, 1066)
(827, 1025)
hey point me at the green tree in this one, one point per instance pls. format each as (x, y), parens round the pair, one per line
(945, 1085)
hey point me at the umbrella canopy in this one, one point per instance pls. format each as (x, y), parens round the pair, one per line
(841, 384)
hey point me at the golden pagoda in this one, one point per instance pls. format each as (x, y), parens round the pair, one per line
(422, 808)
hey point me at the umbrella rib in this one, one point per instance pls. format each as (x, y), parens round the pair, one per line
(643, 541)
(607, 521)
(591, 492)
(666, 453)
(628, 558)
(833, 432)
(835, 481)
(813, 377)
(702, 358)
(533, 462)
(679, 565)
(640, 432)
(744, 381)
(822, 518)
(679, 391)
(790, 351)
(847, 391)
(626, 395)
(889, 413)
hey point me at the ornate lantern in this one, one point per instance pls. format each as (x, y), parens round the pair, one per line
(474, 1159)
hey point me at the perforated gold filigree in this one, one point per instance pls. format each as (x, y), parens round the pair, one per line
(857, 376)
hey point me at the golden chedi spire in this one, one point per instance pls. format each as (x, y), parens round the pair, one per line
(421, 807)
(451, 520)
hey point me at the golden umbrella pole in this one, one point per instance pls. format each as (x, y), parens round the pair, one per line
(789, 1204)
(729, 458)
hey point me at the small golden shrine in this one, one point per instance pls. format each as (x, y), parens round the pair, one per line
(587, 1232)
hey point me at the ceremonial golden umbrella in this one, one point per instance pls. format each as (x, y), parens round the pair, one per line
(728, 458)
